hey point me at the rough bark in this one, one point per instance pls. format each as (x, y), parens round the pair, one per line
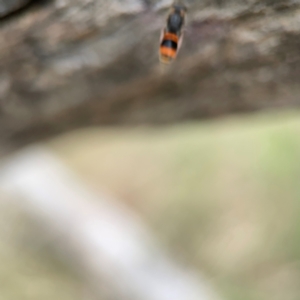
(74, 63)
(8, 7)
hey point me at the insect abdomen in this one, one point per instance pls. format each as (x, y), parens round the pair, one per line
(168, 47)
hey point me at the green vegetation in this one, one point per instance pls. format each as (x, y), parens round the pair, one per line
(223, 196)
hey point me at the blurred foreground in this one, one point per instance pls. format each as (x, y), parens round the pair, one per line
(222, 197)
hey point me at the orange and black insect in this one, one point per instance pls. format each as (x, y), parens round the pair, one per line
(171, 36)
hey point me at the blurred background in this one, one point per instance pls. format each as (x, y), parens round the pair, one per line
(205, 154)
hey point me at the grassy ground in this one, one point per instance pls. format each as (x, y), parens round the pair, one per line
(223, 196)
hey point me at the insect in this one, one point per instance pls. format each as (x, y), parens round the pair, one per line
(171, 35)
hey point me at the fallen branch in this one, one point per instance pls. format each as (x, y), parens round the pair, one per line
(107, 243)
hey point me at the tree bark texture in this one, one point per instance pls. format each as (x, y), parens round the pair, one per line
(71, 63)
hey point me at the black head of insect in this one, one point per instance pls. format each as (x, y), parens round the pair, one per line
(176, 18)
(179, 8)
